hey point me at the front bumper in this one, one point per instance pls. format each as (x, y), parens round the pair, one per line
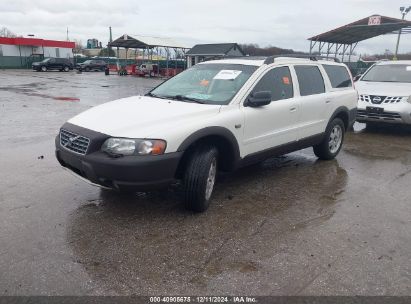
(128, 173)
(398, 113)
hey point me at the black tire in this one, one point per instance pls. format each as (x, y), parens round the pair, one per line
(66, 69)
(326, 150)
(43, 69)
(87, 69)
(196, 178)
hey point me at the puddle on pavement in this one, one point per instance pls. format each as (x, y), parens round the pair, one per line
(150, 241)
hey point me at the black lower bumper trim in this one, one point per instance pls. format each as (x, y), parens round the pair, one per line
(130, 173)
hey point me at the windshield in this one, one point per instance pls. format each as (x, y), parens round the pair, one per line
(46, 60)
(211, 83)
(87, 61)
(389, 73)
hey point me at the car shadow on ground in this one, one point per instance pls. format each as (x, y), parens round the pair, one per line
(147, 241)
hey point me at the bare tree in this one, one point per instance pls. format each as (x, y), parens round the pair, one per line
(78, 46)
(253, 49)
(5, 32)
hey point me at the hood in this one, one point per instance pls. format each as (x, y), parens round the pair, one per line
(142, 116)
(383, 88)
(36, 63)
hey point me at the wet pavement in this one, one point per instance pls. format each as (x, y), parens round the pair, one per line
(290, 226)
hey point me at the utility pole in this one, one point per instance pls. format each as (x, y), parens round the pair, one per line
(404, 12)
(67, 35)
(109, 42)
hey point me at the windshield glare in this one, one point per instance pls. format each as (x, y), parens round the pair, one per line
(211, 83)
(389, 73)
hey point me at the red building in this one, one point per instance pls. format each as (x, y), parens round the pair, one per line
(22, 52)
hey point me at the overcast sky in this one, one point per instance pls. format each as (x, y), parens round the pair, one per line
(285, 23)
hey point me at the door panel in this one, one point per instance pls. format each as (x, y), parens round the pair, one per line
(313, 101)
(274, 124)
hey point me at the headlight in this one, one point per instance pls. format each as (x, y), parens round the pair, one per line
(126, 146)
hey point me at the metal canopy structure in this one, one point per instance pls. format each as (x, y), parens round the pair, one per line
(145, 42)
(148, 44)
(345, 39)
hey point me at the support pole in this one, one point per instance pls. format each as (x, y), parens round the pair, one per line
(398, 38)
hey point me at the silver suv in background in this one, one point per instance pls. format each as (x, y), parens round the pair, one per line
(385, 93)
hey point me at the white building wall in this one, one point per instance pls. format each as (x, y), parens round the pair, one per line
(63, 52)
(10, 50)
(26, 51)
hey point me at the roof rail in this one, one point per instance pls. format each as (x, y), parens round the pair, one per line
(271, 59)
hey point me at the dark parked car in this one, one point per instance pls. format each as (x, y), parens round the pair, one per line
(92, 65)
(60, 64)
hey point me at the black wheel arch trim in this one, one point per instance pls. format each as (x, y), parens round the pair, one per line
(213, 131)
(346, 111)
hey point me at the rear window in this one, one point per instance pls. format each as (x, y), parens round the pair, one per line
(338, 76)
(310, 80)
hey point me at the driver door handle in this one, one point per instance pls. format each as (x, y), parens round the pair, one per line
(293, 109)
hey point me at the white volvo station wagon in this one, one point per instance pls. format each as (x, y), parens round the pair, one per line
(216, 116)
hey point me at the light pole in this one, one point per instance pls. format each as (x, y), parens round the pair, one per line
(404, 12)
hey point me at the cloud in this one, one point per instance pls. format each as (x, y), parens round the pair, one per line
(286, 24)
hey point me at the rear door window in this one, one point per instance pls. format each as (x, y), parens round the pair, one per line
(338, 76)
(310, 80)
(278, 81)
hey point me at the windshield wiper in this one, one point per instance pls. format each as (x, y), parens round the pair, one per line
(157, 96)
(176, 97)
(186, 98)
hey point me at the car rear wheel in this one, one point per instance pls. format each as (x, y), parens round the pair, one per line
(44, 69)
(199, 178)
(333, 140)
(66, 69)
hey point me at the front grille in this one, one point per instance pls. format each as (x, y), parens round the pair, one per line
(382, 116)
(74, 142)
(381, 99)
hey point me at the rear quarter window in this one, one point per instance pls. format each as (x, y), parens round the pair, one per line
(310, 80)
(338, 76)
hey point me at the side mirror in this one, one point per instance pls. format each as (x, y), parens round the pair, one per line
(357, 77)
(258, 99)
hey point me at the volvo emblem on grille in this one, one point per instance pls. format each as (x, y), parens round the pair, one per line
(376, 99)
(71, 140)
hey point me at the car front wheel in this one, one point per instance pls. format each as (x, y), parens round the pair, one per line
(199, 178)
(332, 142)
(44, 69)
(66, 69)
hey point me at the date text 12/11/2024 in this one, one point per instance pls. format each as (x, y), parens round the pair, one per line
(203, 299)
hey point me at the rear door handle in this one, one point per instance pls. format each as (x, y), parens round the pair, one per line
(328, 101)
(293, 109)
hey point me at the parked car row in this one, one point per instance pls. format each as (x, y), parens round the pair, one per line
(64, 64)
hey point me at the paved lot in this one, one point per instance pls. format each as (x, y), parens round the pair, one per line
(291, 226)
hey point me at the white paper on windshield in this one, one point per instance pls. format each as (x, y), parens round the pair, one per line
(408, 68)
(227, 74)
